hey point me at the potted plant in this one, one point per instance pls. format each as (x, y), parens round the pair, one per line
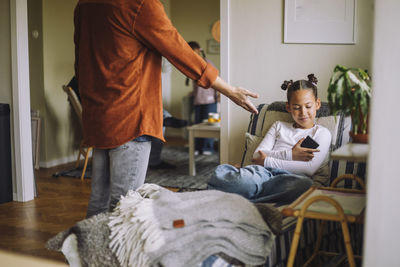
(350, 91)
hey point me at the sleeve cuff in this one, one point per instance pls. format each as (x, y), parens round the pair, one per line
(208, 76)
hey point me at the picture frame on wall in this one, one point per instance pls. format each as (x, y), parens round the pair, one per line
(213, 47)
(320, 22)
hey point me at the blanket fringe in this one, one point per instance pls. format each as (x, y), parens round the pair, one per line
(134, 228)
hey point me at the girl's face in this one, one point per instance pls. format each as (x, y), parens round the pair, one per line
(303, 107)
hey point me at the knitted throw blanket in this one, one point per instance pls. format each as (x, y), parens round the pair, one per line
(153, 226)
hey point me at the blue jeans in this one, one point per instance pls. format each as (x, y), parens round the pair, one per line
(114, 172)
(259, 184)
(200, 114)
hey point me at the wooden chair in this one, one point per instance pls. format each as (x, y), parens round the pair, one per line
(83, 150)
(300, 209)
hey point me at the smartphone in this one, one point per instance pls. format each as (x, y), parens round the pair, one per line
(309, 143)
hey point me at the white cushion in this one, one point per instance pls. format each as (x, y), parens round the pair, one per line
(252, 142)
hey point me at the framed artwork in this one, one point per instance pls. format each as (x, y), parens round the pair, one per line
(213, 47)
(323, 22)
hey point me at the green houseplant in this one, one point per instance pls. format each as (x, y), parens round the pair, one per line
(350, 91)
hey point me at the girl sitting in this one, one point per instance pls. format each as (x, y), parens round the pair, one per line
(282, 168)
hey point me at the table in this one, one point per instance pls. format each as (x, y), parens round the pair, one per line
(351, 152)
(204, 130)
(340, 200)
(327, 204)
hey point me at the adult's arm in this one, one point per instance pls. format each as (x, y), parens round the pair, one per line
(238, 95)
(153, 27)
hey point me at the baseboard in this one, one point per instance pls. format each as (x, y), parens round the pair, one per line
(56, 162)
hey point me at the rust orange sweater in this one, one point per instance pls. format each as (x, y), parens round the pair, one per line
(118, 49)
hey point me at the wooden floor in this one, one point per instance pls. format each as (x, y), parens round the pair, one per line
(26, 226)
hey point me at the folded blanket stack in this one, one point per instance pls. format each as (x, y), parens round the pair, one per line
(154, 226)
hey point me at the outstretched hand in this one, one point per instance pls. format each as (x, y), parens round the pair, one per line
(260, 160)
(238, 95)
(302, 153)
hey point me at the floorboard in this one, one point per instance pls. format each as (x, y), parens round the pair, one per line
(61, 202)
(26, 226)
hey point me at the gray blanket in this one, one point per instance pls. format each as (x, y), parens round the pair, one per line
(214, 222)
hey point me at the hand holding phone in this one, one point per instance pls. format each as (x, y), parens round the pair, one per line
(309, 143)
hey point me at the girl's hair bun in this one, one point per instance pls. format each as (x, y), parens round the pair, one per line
(286, 84)
(312, 78)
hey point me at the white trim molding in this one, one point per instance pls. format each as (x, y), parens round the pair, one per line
(225, 129)
(57, 162)
(21, 101)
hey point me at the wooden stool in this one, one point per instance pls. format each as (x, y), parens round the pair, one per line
(335, 204)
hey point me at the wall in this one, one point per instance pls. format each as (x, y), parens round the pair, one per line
(5, 53)
(53, 52)
(260, 61)
(37, 95)
(5, 67)
(382, 228)
(193, 20)
(36, 55)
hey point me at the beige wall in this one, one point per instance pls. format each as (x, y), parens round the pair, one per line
(37, 95)
(58, 60)
(193, 20)
(36, 55)
(5, 53)
(261, 62)
(5, 68)
(51, 66)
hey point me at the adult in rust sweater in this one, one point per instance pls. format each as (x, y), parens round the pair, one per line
(118, 49)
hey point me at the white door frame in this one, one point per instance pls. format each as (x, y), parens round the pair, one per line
(24, 177)
(225, 74)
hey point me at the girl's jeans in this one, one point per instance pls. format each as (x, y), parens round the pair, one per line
(259, 184)
(115, 171)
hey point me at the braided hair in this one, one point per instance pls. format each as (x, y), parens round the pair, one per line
(310, 84)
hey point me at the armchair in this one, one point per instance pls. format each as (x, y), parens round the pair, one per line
(339, 127)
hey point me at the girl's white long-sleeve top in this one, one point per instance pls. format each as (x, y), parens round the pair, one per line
(278, 144)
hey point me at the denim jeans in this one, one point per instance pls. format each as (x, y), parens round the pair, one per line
(114, 172)
(259, 184)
